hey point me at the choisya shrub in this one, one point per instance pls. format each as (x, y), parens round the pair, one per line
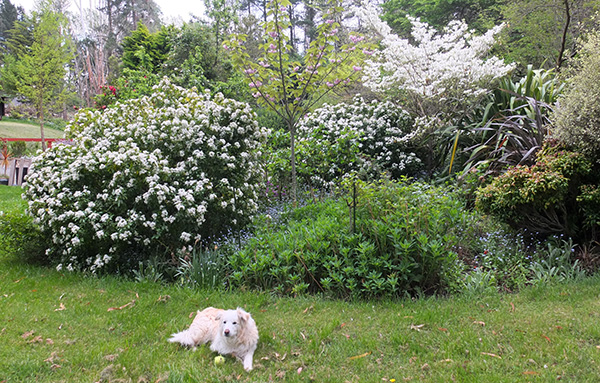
(408, 239)
(363, 137)
(145, 178)
(554, 196)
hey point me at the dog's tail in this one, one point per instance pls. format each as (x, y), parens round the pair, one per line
(184, 337)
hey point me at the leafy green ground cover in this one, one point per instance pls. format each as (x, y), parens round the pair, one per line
(72, 327)
(22, 129)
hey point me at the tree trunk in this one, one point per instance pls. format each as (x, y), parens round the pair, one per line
(292, 128)
(42, 128)
(563, 41)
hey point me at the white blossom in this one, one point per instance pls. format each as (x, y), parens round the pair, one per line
(435, 65)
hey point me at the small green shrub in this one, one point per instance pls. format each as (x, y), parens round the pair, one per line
(555, 263)
(409, 239)
(20, 237)
(541, 198)
(202, 268)
(18, 148)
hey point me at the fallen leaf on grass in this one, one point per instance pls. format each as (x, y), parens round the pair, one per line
(49, 341)
(111, 358)
(512, 307)
(19, 280)
(27, 334)
(548, 339)
(61, 307)
(54, 356)
(55, 366)
(479, 323)
(360, 356)
(442, 329)
(163, 298)
(299, 370)
(37, 339)
(530, 373)
(417, 327)
(492, 355)
(122, 307)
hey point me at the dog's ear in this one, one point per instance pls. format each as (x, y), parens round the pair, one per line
(243, 315)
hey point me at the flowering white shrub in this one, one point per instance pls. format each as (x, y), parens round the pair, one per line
(145, 178)
(364, 137)
(437, 67)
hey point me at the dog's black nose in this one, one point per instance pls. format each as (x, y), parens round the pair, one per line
(226, 332)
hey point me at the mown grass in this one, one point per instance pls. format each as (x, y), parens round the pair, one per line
(10, 199)
(62, 327)
(22, 129)
(58, 328)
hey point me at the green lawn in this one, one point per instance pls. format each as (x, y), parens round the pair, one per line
(64, 327)
(22, 129)
(10, 199)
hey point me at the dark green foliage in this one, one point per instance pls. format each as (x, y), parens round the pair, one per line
(144, 50)
(406, 241)
(478, 14)
(544, 33)
(8, 15)
(195, 59)
(20, 237)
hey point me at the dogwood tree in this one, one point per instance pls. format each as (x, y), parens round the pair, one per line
(434, 69)
(291, 83)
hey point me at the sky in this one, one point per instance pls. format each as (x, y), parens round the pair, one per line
(171, 9)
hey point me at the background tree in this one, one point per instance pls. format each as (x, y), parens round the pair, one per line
(42, 69)
(478, 14)
(291, 85)
(544, 32)
(8, 15)
(145, 51)
(222, 14)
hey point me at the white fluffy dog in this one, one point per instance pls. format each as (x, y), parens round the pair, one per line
(228, 331)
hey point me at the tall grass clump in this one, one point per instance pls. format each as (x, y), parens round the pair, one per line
(388, 239)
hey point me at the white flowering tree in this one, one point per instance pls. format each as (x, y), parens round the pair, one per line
(438, 71)
(290, 84)
(146, 178)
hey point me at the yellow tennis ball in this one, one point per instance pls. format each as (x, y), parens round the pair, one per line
(219, 360)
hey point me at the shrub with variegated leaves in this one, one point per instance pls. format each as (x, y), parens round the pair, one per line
(146, 178)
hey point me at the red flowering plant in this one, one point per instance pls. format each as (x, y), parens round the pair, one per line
(132, 84)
